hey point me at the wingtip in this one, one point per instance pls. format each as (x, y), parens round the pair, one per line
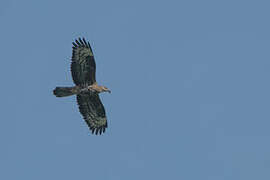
(98, 131)
(74, 45)
(81, 42)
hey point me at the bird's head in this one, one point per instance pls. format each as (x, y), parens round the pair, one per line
(105, 89)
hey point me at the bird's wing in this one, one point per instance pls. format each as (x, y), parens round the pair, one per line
(83, 66)
(93, 112)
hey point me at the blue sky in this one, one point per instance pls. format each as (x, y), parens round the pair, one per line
(189, 80)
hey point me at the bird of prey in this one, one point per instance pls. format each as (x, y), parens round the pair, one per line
(83, 70)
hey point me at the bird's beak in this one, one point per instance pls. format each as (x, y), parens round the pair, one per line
(109, 91)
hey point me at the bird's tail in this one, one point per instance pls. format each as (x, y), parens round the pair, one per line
(65, 91)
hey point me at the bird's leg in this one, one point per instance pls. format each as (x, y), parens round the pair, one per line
(84, 90)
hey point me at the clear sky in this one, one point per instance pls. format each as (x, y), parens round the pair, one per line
(189, 80)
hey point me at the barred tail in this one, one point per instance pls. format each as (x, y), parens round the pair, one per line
(64, 91)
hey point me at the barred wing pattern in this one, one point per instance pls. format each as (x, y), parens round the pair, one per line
(93, 112)
(83, 66)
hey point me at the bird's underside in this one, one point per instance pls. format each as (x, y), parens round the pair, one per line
(83, 69)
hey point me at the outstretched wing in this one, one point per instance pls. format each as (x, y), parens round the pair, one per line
(83, 66)
(93, 112)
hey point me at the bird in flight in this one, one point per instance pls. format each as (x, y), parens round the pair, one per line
(83, 70)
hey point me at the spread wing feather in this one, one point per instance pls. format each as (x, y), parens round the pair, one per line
(83, 66)
(93, 112)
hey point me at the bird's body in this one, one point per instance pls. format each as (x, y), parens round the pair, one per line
(83, 69)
